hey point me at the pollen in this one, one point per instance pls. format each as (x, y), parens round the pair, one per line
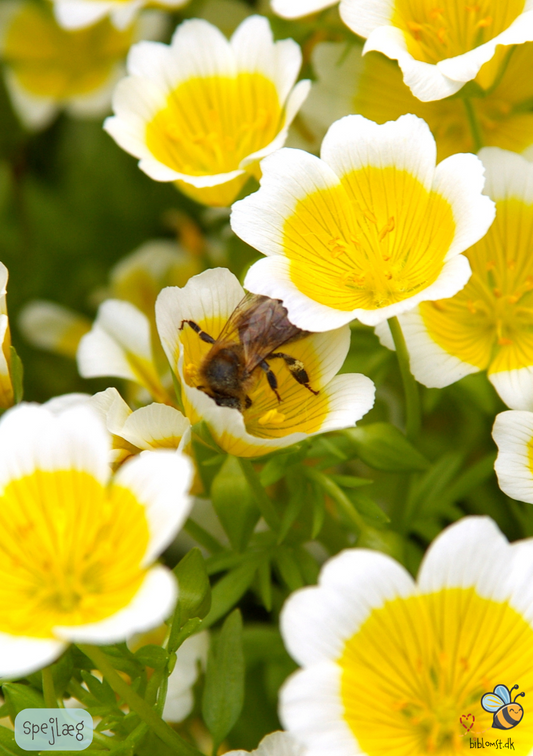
(272, 417)
(190, 372)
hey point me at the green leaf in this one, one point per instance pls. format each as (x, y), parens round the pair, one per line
(223, 696)
(101, 690)
(234, 503)
(230, 589)
(152, 656)
(19, 697)
(265, 585)
(366, 506)
(17, 375)
(8, 746)
(194, 597)
(288, 568)
(275, 468)
(384, 447)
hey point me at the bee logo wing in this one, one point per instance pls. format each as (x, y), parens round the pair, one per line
(503, 692)
(492, 702)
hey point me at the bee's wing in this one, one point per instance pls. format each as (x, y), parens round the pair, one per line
(503, 692)
(260, 324)
(492, 702)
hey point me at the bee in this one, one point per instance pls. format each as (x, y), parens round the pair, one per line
(252, 335)
(507, 713)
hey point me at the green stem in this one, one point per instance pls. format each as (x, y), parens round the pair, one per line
(266, 507)
(474, 124)
(337, 494)
(50, 698)
(136, 703)
(203, 537)
(413, 413)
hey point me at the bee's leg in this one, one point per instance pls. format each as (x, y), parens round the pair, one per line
(247, 402)
(196, 328)
(271, 378)
(296, 369)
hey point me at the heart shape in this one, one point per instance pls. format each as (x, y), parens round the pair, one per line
(464, 720)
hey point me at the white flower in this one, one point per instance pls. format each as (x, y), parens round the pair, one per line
(487, 325)
(48, 69)
(368, 230)
(77, 14)
(77, 547)
(513, 435)
(203, 111)
(392, 666)
(275, 744)
(439, 47)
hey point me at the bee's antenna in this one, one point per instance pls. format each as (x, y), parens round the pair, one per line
(517, 695)
(513, 688)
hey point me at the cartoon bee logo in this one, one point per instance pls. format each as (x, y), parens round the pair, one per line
(507, 713)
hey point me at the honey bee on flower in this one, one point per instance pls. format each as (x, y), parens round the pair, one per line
(277, 404)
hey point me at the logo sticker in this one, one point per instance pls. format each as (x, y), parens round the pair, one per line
(53, 729)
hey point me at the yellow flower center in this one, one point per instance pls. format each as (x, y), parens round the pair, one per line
(49, 61)
(489, 323)
(414, 674)
(210, 124)
(380, 238)
(71, 551)
(440, 29)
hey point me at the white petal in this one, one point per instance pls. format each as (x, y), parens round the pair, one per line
(520, 578)
(149, 60)
(156, 426)
(211, 294)
(425, 80)
(512, 433)
(35, 113)
(275, 744)
(351, 396)
(99, 355)
(470, 553)
(507, 175)
(465, 67)
(120, 330)
(44, 324)
(299, 8)
(431, 365)
(255, 51)
(363, 16)
(316, 622)
(354, 142)
(459, 179)
(192, 654)
(150, 606)
(200, 49)
(59, 404)
(515, 387)
(32, 437)
(20, 656)
(311, 709)
(112, 409)
(122, 14)
(160, 481)
(288, 176)
(76, 14)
